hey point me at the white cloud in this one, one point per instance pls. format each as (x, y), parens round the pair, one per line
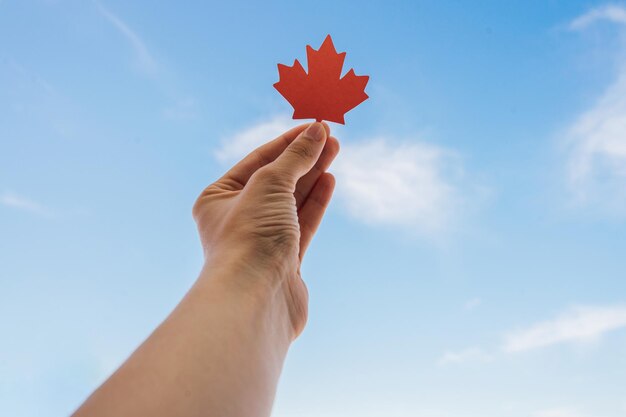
(380, 181)
(466, 355)
(144, 59)
(577, 325)
(17, 202)
(241, 143)
(400, 183)
(596, 140)
(610, 12)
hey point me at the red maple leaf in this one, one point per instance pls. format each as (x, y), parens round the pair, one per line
(321, 94)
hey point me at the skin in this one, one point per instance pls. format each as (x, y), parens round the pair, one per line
(221, 351)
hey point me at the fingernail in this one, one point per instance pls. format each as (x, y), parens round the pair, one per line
(316, 131)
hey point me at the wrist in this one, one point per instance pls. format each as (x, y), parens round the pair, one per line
(248, 270)
(255, 294)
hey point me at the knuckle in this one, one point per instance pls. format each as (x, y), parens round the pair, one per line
(300, 150)
(273, 176)
(262, 160)
(203, 200)
(196, 208)
(300, 197)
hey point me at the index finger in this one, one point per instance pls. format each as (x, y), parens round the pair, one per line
(263, 155)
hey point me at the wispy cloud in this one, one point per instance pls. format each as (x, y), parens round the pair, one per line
(596, 140)
(182, 110)
(466, 355)
(610, 12)
(557, 412)
(17, 202)
(577, 325)
(381, 181)
(473, 303)
(238, 144)
(384, 181)
(182, 106)
(144, 60)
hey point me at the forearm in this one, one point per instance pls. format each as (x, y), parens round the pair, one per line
(219, 353)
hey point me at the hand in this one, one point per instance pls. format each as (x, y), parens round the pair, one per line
(221, 351)
(259, 218)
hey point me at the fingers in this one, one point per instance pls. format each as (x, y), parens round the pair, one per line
(239, 174)
(301, 154)
(312, 211)
(306, 183)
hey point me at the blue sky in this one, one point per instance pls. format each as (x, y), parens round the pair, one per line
(471, 263)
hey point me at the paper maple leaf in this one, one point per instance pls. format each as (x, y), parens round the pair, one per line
(321, 94)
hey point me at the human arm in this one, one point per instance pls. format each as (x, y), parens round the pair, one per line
(220, 352)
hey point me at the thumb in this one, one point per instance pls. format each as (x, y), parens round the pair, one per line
(302, 154)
